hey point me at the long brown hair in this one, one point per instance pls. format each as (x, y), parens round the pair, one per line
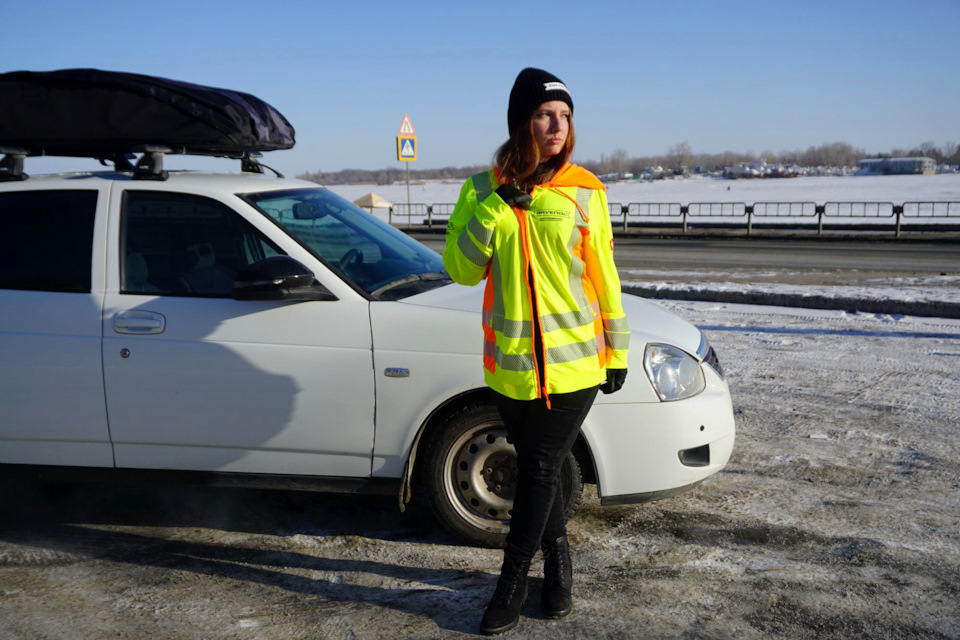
(519, 157)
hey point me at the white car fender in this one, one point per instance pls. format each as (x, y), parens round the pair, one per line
(409, 342)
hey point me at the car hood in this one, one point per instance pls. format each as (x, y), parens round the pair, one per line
(649, 322)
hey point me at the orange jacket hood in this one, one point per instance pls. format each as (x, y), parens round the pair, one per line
(571, 175)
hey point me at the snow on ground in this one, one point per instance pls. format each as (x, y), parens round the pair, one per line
(838, 516)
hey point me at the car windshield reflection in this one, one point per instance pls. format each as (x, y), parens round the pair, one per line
(382, 261)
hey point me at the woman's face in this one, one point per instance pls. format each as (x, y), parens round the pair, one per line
(551, 124)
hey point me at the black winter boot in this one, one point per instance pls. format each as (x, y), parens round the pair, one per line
(556, 600)
(503, 612)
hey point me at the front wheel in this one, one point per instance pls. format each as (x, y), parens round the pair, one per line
(472, 474)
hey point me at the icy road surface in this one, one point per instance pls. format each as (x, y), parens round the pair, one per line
(837, 517)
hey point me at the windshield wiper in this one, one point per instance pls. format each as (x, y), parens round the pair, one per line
(413, 277)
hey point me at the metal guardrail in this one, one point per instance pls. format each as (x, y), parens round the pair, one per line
(408, 210)
(634, 213)
(784, 210)
(649, 210)
(931, 209)
(858, 209)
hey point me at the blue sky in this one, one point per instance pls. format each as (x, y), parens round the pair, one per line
(741, 76)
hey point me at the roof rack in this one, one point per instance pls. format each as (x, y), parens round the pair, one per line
(148, 167)
(11, 165)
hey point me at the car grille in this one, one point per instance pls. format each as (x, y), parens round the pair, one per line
(712, 360)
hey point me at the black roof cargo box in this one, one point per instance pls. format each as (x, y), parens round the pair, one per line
(100, 114)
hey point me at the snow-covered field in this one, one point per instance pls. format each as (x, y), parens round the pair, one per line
(698, 189)
(896, 189)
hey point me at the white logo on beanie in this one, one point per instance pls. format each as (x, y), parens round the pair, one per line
(555, 86)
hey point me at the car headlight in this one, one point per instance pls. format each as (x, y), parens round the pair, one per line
(674, 374)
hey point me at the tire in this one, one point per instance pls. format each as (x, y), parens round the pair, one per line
(471, 477)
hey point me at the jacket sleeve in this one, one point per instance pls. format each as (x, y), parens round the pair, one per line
(469, 238)
(602, 271)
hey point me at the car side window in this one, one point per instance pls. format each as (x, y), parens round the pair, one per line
(185, 245)
(49, 237)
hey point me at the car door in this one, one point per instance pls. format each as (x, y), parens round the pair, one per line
(197, 380)
(51, 282)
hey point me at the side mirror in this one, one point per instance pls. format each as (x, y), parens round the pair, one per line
(279, 278)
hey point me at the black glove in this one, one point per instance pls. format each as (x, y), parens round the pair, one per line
(514, 196)
(615, 380)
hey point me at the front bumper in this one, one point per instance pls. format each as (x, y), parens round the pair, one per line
(638, 498)
(649, 451)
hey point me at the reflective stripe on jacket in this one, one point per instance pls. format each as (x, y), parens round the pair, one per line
(565, 243)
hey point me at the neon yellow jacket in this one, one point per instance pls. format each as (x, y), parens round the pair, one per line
(565, 242)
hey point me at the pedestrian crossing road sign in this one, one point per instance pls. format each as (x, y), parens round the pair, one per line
(407, 148)
(406, 127)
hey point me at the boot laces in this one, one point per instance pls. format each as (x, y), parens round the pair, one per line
(506, 589)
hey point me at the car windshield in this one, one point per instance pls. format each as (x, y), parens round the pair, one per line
(382, 261)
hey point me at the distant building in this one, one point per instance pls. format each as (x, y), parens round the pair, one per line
(893, 166)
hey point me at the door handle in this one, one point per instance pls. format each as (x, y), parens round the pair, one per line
(136, 321)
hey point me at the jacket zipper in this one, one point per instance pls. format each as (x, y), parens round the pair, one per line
(535, 325)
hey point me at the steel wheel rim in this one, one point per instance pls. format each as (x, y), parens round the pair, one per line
(480, 477)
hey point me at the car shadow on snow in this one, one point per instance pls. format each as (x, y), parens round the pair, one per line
(253, 511)
(289, 536)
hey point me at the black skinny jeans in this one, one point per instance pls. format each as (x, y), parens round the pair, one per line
(543, 438)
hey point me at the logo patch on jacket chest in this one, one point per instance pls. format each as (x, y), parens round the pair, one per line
(551, 215)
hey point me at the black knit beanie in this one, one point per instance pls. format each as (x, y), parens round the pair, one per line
(532, 88)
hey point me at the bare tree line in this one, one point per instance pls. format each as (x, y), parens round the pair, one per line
(389, 175)
(835, 154)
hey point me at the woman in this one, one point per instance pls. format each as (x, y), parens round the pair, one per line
(537, 228)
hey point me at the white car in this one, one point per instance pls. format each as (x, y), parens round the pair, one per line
(245, 328)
